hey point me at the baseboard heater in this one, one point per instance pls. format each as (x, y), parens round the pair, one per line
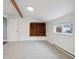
(61, 49)
(68, 53)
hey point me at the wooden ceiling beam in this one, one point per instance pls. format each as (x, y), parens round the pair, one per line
(17, 8)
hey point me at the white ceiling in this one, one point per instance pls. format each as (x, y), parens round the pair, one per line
(44, 9)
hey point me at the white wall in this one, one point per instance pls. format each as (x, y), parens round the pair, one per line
(64, 41)
(18, 29)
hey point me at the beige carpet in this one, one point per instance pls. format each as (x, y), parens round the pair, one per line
(32, 50)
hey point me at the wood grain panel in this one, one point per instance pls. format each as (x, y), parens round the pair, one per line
(37, 29)
(17, 8)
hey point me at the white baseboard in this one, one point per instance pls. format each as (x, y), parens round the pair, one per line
(22, 40)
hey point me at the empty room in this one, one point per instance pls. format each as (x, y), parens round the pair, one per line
(38, 29)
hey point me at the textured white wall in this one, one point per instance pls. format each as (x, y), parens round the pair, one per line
(18, 29)
(64, 41)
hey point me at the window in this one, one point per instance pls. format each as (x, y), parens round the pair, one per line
(37, 29)
(59, 29)
(63, 29)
